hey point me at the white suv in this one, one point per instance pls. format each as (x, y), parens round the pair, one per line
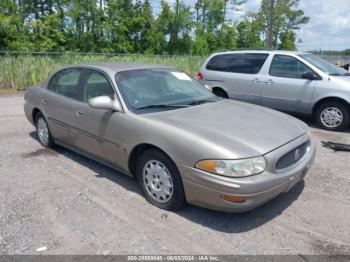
(289, 81)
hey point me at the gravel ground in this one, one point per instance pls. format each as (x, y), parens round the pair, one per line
(72, 205)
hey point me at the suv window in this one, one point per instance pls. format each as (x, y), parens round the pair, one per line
(288, 66)
(244, 63)
(65, 82)
(96, 84)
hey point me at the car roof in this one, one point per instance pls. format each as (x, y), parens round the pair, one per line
(118, 67)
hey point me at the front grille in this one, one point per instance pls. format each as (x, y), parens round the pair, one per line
(292, 156)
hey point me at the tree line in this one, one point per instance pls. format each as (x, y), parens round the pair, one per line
(132, 26)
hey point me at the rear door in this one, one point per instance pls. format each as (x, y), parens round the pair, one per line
(58, 102)
(95, 130)
(239, 73)
(284, 88)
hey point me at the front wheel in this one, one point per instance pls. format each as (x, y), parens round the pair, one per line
(333, 116)
(160, 180)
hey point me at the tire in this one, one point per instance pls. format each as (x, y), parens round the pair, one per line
(160, 180)
(45, 137)
(220, 93)
(333, 116)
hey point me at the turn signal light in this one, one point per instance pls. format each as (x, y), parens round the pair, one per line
(207, 165)
(233, 198)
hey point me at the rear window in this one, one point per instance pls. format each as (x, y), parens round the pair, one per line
(65, 82)
(244, 63)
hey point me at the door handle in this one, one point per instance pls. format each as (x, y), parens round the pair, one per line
(269, 82)
(79, 113)
(44, 101)
(256, 80)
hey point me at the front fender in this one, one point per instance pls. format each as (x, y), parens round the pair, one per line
(333, 95)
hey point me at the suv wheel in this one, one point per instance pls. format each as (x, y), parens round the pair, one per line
(160, 180)
(333, 116)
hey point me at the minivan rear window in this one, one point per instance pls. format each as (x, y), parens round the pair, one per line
(244, 63)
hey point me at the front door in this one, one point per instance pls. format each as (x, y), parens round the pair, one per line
(284, 88)
(96, 130)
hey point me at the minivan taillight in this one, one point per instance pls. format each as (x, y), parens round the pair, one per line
(199, 76)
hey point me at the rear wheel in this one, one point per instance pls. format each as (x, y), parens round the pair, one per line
(333, 116)
(220, 93)
(43, 131)
(160, 180)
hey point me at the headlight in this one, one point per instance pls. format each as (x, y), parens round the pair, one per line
(234, 168)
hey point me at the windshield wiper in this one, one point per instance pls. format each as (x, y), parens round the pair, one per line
(201, 101)
(161, 106)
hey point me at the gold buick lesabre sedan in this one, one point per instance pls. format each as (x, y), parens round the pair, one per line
(181, 142)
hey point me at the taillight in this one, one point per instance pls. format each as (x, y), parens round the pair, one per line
(199, 76)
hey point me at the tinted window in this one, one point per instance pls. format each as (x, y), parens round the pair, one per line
(65, 82)
(96, 84)
(238, 63)
(287, 66)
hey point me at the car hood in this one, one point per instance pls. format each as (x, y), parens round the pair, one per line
(345, 80)
(246, 130)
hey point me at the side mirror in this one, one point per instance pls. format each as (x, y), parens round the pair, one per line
(105, 103)
(310, 76)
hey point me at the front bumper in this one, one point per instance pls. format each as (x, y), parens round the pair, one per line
(204, 189)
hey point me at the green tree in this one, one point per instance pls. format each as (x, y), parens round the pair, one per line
(278, 16)
(152, 36)
(130, 26)
(287, 41)
(213, 30)
(124, 24)
(46, 34)
(249, 34)
(176, 25)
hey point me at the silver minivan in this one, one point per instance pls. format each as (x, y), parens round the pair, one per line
(296, 82)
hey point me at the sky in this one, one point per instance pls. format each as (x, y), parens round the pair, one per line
(328, 28)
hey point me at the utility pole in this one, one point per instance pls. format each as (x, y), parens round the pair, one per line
(270, 25)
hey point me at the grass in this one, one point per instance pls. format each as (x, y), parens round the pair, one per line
(19, 71)
(10, 92)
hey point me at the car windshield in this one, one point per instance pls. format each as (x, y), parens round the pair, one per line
(161, 88)
(324, 65)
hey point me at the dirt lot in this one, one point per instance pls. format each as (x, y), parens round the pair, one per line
(73, 205)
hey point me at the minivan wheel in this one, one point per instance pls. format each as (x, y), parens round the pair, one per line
(220, 93)
(43, 131)
(160, 180)
(333, 116)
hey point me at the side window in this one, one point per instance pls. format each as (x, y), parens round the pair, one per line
(96, 84)
(243, 63)
(65, 82)
(218, 63)
(287, 66)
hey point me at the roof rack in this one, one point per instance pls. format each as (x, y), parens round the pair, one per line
(248, 49)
